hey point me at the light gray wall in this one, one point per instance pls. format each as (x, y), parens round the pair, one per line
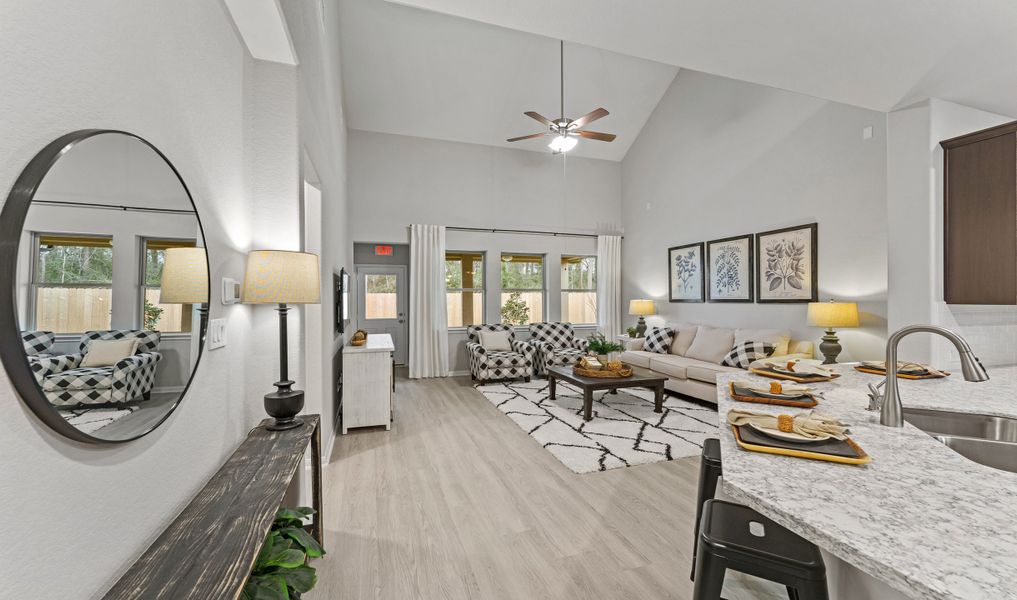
(720, 157)
(915, 187)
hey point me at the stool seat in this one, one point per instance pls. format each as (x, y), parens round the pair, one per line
(736, 537)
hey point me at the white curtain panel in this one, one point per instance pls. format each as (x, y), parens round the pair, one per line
(428, 312)
(609, 285)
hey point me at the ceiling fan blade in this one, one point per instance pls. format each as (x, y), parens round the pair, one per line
(526, 137)
(589, 118)
(596, 135)
(538, 117)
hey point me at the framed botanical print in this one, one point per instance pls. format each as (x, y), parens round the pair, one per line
(788, 268)
(729, 266)
(686, 275)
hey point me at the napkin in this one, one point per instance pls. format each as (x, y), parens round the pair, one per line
(909, 368)
(767, 387)
(811, 424)
(804, 366)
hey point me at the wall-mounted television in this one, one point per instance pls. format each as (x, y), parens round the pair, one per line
(341, 297)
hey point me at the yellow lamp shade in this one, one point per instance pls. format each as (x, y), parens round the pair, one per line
(833, 315)
(642, 308)
(281, 277)
(184, 276)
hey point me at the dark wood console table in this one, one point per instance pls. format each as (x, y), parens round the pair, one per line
(209, 549)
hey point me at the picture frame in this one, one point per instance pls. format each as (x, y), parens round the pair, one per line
(686, 273)
(730, 269)
(788, 267)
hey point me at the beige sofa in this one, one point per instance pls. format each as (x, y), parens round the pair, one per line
(694, 360)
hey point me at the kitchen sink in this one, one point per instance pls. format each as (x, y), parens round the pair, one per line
(985, 439)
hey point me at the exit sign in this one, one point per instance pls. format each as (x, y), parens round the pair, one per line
(383, 250)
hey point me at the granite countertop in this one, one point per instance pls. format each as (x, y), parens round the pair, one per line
(376, 342)
(920, 517)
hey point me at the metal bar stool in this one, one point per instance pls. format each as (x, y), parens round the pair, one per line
(709, 473)
(736, 537)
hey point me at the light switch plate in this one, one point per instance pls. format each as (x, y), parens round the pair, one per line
(216, 337)
(230, 291)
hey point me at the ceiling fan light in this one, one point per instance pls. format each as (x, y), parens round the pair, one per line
(562, 143)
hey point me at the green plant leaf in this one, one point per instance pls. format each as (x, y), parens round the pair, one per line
(300, 579)
(304, 540)
(271, 540)
(288, 558)
(266, 587)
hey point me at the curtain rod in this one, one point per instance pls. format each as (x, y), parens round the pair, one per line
(173, 211)
(522, 231)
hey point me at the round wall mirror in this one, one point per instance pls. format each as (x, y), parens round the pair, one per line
(103, 261)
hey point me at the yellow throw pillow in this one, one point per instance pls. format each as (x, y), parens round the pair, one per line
(106, 353)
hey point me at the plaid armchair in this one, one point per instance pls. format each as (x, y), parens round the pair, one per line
(37, 344)
(65, 382)
(486, 365)
(556, 345)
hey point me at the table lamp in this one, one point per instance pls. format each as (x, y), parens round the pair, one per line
(829, 315)
(185, 280)
(282, 277)
(641, 308)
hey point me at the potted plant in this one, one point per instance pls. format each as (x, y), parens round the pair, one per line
(602, 347)
(281, 571)
(633, 332)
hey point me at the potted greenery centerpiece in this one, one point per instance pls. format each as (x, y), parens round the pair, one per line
(281, 571)
(602, 347)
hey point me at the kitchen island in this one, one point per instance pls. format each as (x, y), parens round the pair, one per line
(920, 518)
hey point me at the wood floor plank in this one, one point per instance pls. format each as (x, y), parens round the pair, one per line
(457, 502)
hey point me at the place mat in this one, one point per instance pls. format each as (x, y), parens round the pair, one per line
(744, 395)
(875, 371)
(844, 451)
(804, 378)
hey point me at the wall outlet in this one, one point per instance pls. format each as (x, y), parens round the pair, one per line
(230, 291)
(867, 133)
(216, 336)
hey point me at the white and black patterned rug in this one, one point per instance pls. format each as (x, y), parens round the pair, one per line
(90, 420)
(624, 430)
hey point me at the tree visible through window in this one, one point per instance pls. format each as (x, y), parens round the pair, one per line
(464, 285)
(522, 288)
(167, 318)
(579, 289)
(72, 283)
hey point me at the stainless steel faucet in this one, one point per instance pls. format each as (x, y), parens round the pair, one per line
(891, 411)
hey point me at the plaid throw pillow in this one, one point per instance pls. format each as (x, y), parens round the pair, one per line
(743, 354)
(658, 340)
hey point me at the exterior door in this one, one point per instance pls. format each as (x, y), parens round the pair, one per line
(382, 298)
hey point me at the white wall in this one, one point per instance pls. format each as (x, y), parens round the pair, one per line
(915, 197)
(398, 180)
(176, 73)
(720, 157)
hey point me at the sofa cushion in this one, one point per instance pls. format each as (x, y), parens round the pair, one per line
(495, 341)
(684, 333)
(711, 344)
(745, 353)
(707, 373)
(671, 365)
(637, 358)
(780, 338)
(658, 340)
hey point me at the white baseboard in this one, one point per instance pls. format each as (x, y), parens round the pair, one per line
(328, 440)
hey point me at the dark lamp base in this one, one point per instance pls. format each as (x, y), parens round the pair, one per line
(830, 347)
(284, 405)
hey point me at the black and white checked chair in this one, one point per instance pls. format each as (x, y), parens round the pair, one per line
(556, 344)
(487, 365)
(65, 383)
(37, 344)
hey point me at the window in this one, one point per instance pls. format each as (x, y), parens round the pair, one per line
(167, 318)
(72, 283)
(381, 297)
(522, 288)
(579, 289)
(464, 287)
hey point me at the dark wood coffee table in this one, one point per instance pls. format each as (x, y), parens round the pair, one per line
(640, 378)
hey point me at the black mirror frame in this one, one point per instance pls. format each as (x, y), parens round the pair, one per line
(12, 222)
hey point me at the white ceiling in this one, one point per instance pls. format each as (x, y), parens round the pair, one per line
(419, 73)
(263, 28)
(878, 54)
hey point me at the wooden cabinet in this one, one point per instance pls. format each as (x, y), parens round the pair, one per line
(980, 217)
(368, 391)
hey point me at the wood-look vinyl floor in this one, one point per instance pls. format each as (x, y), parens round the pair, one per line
(458, 502)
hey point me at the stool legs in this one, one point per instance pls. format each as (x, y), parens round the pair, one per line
(709, 473)
(709, 577)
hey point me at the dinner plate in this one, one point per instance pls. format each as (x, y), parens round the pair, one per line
(743, 391)
(788, 436)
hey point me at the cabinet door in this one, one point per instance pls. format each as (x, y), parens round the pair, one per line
(980, 222)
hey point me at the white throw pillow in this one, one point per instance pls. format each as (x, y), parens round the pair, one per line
(780, 338)
(684, 333)
(106, 353)
(711, 345)
(495, 341)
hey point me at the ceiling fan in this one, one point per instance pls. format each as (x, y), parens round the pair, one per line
(566, 132)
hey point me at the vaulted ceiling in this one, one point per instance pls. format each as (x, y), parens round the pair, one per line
(465, 70)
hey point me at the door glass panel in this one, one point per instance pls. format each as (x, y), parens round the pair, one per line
(381, 297)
